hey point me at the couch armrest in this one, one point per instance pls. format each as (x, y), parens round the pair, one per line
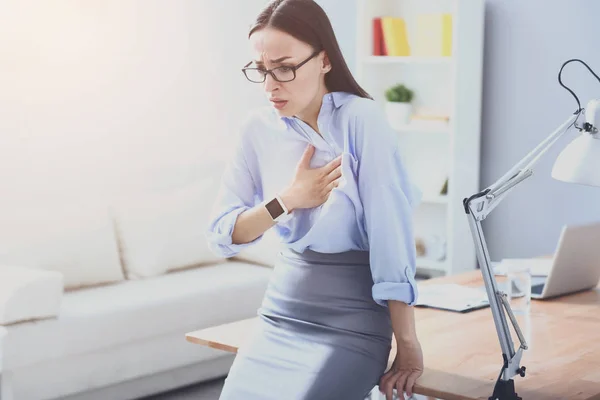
(28, 294)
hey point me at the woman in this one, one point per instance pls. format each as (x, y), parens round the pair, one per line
(322, 168)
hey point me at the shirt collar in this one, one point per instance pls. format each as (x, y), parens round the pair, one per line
(337, 99)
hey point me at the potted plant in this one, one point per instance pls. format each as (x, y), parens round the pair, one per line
(398, 107)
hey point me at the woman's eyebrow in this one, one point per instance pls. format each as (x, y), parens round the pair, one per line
(277, 61)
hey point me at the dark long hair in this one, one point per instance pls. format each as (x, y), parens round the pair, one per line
(306, 21)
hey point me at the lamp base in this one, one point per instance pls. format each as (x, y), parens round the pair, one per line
(505, 390)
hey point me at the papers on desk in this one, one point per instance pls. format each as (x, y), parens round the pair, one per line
(452, 297)
(459, 298)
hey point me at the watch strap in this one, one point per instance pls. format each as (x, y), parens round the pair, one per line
(285, 209)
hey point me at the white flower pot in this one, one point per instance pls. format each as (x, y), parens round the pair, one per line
(398, 114)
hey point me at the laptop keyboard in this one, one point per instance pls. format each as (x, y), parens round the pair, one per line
(537, 289)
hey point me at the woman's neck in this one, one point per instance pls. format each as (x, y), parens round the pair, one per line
(310, 114)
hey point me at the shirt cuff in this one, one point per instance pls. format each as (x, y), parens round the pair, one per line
(219, 239)
(406, 292)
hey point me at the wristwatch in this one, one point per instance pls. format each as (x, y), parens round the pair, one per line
(278, 210)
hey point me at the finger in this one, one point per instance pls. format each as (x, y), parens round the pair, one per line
(336, 173)
(307, 156)
(400, 382)
(383, 381)
(410, 382)
(386, 377)
(388, 387)
(389, 392)
(333, 164)
(331, 186)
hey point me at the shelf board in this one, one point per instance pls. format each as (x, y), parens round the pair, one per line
(407, 60)
(417, 128)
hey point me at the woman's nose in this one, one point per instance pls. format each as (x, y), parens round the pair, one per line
(270, 83)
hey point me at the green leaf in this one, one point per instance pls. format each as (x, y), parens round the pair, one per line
(399, 94)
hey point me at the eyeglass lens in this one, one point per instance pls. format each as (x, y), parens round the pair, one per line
(282, 74)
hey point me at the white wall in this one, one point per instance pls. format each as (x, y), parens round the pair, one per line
(525, 45)
(342, 14)
(102, 98)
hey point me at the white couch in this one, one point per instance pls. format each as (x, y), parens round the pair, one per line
(96, 304)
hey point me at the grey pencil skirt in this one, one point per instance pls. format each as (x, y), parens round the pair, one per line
(321, 336)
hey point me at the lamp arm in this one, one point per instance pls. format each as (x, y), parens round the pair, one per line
(499, 306)
(523, 169)
(477, 207)
(534, 156)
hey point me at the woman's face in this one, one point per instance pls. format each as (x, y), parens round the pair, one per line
(273, 48)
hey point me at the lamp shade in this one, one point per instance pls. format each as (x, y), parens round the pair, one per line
(579, 162)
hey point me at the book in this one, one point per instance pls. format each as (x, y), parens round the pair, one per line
(378, 42)
(394, 36)
(433, 37)
(446, 35)
(430, 117)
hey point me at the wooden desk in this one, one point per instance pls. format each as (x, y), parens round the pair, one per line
(462, 354)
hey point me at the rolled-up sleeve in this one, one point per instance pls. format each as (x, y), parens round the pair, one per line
(388, 198)
(237, 193)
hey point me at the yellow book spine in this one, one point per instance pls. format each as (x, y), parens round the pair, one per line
(394, 35)
(387, 25)
(447, 35)
(402, 37)
(427, 36)
(434, 35)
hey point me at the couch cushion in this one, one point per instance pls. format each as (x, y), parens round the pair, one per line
(28, 294)
(77, 240)
(131, 311)
(164, 231)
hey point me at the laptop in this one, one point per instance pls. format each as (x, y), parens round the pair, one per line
(575, 266)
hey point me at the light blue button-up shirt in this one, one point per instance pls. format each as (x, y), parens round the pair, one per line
(370, 210)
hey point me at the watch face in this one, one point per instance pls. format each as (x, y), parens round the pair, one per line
(274, 208)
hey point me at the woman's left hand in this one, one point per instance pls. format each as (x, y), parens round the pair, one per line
(406, 369)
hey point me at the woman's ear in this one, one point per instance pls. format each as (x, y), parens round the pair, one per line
(325, 64)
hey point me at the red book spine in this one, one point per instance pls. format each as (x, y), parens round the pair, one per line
(378, 43)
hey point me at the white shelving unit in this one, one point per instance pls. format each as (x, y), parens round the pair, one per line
(447, 85)
(406, 60)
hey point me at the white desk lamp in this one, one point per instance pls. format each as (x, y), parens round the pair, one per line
(578, 163)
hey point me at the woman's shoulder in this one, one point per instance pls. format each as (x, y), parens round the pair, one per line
(356, 106)
(365, 118)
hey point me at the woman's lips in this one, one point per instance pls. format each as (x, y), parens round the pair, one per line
(279, 104)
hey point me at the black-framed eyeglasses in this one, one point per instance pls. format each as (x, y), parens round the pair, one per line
(280, 74)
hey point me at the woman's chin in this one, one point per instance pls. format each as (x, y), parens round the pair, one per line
(284, 112)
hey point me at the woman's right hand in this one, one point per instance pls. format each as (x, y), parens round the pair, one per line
(311, 187)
